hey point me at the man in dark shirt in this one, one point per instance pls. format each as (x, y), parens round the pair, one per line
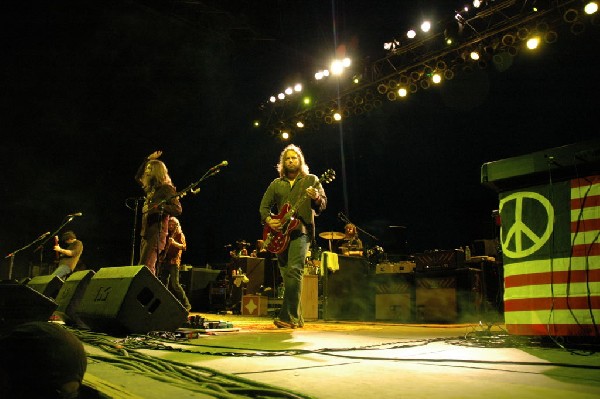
(294, 186)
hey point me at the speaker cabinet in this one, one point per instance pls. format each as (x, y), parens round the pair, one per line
(47, 285)
(254, 269)
(349, 291)
(129, 300)
(448, 296)
(70, 295)
(197, 282)
(20, 304)
(394, 297)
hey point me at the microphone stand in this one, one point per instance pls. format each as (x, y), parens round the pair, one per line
(135, 221)
(12, 254)
(343, 218)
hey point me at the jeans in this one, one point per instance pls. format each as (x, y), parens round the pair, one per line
(62, 271)
(291, 266)
(169, 276)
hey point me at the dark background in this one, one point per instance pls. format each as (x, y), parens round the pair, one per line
(89, 88)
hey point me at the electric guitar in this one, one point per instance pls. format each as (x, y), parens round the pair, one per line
(276, 241)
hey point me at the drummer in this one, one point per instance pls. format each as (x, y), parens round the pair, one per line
(351, 245)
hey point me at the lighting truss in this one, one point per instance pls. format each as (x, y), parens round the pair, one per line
(498, 28)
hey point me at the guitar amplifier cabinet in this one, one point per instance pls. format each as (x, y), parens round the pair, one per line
(439, 260)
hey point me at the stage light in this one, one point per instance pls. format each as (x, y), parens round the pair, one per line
(346, 62)
(306, 100)
(281, 96)
(272, 99)
(448, 74)
(474, 55)
(570, 15)
(337, 116)
(289, 91)
(413, 88)
(426, 26)
(533, 43)
(402, 92)
(436, 78)
(256, 123)
(285, 135)
(411, 34)
(356, 79)
(328, 119)
(300, 124)
(337, 67)
(550, 36)
(476, 3)
(382, 88)
(591, 8)
(298, 87)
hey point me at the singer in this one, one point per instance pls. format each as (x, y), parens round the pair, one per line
(161, 201)
(294, 182)
(69, 256)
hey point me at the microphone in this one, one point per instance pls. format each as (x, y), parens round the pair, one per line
(75, 214)
(46, 234)
(224, 163)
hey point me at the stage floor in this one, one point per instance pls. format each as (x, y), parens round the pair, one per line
(341, 360)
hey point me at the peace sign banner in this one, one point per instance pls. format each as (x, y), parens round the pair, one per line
(550, 238)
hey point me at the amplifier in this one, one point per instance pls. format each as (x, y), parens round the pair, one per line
(439, 260)
(395, 267)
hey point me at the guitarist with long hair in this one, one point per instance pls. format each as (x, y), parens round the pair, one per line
(295, 185)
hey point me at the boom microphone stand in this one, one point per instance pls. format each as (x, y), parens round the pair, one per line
(12, 254)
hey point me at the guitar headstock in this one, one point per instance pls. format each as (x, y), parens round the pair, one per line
(328, 176)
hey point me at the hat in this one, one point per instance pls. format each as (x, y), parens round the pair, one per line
(43, 355)
(67, 235)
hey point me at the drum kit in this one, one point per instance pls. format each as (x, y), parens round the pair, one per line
(331, 236)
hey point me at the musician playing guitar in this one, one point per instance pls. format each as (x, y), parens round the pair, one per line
(295, 185)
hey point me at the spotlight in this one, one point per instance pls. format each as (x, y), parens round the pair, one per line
(591, 8)
(577, 28)
(411, 34)
(402, 92)
(522, 33)
(570, 15)
(337, 116)
(550, 36)
(436, 78)
(508, 39)
(533, 43)
(448, 74)
(391, 95)
(382, 88)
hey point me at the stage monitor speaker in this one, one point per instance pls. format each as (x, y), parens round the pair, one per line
(47, 285)
(20, 304)
(350, 291)
(70, 295)
(129, 300)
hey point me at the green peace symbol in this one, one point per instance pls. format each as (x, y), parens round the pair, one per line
(519, 229)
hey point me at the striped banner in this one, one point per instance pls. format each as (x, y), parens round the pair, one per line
(551, 249)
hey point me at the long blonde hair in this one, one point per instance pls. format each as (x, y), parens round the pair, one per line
(158, 176)
(303, 166)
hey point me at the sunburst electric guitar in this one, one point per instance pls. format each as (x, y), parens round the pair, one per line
(276, 241)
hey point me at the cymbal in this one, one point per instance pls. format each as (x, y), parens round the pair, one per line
(331, 235)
